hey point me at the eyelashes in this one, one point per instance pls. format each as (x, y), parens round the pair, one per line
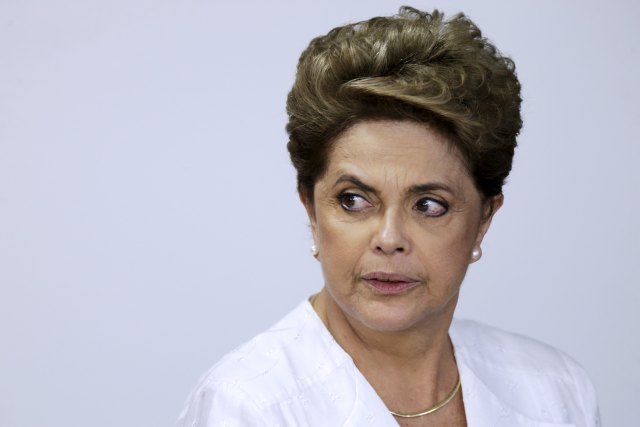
(352, 202)
(426, 206)
(431, 207)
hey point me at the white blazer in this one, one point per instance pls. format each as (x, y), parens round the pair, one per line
(295, 374)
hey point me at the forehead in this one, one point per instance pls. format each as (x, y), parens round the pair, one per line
(403, 150)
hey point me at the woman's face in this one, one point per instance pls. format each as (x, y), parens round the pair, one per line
(395, 219)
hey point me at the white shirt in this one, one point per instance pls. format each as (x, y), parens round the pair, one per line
(296, 374)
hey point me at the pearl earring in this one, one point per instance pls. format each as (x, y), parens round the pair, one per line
(314, 250)
(476, 254)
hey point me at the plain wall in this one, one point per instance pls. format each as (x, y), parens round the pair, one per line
(149, 221)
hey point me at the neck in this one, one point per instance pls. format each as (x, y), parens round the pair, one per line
(411, 369)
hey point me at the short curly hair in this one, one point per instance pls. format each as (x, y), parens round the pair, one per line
(410, 66)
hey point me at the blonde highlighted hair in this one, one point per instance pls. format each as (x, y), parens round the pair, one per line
(411, 66)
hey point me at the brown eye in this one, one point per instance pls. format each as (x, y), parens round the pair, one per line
(431, 207)
(353, 202)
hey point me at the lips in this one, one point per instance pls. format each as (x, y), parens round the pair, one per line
(390, 283)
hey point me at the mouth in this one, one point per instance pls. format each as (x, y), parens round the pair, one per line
(390, 283)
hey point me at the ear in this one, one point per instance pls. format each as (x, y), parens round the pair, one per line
(308, 204)
(489, 209)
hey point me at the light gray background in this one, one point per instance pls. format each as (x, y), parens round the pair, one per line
(148, 215)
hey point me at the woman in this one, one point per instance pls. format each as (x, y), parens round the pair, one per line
(402, 132)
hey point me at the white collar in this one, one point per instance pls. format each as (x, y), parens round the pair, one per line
(482, 406)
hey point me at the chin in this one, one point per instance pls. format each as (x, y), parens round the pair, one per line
(384, 317)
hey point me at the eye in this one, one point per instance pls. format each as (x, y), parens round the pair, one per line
(431, 208)
(353, 202)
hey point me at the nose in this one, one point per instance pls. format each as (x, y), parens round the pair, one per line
(390, 237)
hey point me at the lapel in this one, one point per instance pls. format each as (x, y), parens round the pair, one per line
(483, 408)
(368, 408)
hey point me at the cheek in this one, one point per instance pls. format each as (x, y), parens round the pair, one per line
(342, 245)
(447, 253)
(458, 235)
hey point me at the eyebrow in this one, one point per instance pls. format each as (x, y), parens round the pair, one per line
(414, 189)
(425, 188)
(355, 181)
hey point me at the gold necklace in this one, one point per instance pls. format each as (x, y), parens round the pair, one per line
(433, 409)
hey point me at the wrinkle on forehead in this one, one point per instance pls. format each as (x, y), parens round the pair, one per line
(399, 162)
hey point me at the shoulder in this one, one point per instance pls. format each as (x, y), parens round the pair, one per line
(273, 367)
(506, 349)
(525, 373)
